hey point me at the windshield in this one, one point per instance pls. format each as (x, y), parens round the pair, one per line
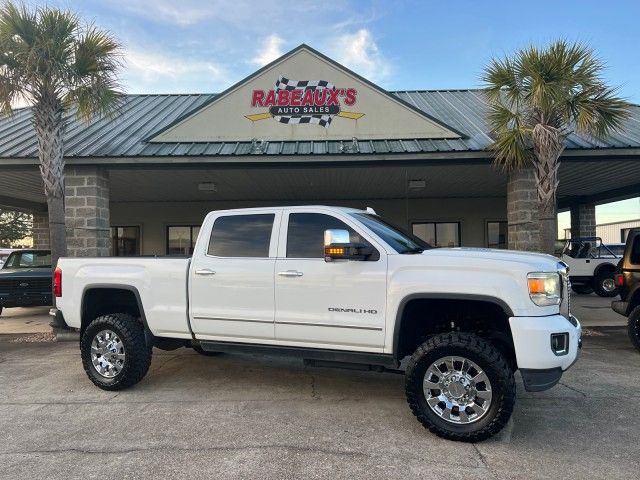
(40, 259)
(400, 241)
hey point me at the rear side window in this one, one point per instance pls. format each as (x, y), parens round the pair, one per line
(241, 236)
(635, 251)
(305, 235)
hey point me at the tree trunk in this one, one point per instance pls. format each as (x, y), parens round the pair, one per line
(548, 227)
(49, 127)
(548, 144)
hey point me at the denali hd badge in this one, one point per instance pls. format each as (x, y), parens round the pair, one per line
(304, 102)
(353, 310)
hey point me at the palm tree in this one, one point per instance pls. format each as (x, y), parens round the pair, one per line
(56, 64)
(538, 97)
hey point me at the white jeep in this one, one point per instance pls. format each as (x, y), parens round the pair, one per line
(592, 266)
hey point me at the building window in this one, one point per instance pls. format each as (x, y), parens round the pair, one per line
(497, 234)
(438, 234)
(181, 239)
(241, 236)
(125, 241)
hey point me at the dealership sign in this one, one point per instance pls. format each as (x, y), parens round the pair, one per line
(307, 102)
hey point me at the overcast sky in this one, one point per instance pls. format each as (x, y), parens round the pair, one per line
(207, 45)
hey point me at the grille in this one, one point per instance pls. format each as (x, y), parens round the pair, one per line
(22, 285)
(568, 288)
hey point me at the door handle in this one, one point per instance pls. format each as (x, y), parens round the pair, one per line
(205, 271)
(290, 273)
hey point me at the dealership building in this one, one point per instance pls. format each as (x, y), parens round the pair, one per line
(302, 130)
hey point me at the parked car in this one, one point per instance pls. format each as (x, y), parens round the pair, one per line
(592, 266)
(335, 285)
(4, 253)
(628, 281)
(25, 279)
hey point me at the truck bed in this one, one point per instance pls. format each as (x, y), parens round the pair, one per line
(159, 283)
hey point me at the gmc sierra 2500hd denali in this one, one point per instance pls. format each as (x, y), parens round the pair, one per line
(335, 285)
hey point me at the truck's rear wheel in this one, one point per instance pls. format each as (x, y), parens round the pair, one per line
(114, 352)
(604, 284)
(633, 327)
(460, 387)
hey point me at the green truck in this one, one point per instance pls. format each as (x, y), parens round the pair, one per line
(25, 279)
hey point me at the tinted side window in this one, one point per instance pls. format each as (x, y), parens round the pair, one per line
(305, 235)
(241, 236)
(635, 251)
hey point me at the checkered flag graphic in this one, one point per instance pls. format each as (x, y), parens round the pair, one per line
(288, 84)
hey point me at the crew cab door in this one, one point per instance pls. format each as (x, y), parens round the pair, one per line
(336, 305)
(231, 275)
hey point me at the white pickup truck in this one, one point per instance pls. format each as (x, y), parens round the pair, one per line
(333, 286)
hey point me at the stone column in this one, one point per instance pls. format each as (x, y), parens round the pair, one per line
(583, 220)
(87, 212)
(522, 211)
(40, 231)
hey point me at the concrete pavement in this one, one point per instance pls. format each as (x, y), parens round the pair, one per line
(244, 416)
(25, 320)
(595, 311)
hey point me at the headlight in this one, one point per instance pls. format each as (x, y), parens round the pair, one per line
(544, 288)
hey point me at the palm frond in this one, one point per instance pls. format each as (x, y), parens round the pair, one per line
(551, 89)
(599, 112)
(45, 52)
(511, 146)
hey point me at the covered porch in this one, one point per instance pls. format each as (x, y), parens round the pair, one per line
(136, 206)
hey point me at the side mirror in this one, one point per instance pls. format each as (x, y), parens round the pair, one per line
(338, 247)
(335, 236)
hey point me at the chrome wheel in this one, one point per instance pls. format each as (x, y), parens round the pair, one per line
(608, 285)
(107, 353)
(457, 390)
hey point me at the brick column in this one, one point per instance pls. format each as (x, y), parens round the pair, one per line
(522, 211)
(87, 212)
(40, 231)
(583, 220)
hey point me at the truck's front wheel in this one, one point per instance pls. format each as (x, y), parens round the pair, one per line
(460, 387)
(114, 352)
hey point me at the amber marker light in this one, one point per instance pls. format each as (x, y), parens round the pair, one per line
(334, 251)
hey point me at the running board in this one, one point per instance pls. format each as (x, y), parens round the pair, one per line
(350, 366)
(317, 354)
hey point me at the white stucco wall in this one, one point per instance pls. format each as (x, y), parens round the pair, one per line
(473, 213)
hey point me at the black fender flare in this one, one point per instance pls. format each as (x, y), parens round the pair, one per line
(149, 337)
(440, 296)
(602, 267)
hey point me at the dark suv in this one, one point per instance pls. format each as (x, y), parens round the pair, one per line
(628, 281)
(25, 279)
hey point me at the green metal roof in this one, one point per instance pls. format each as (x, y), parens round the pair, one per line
(144, 115)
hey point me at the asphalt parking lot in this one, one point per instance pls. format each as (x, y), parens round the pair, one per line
(243, 416)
